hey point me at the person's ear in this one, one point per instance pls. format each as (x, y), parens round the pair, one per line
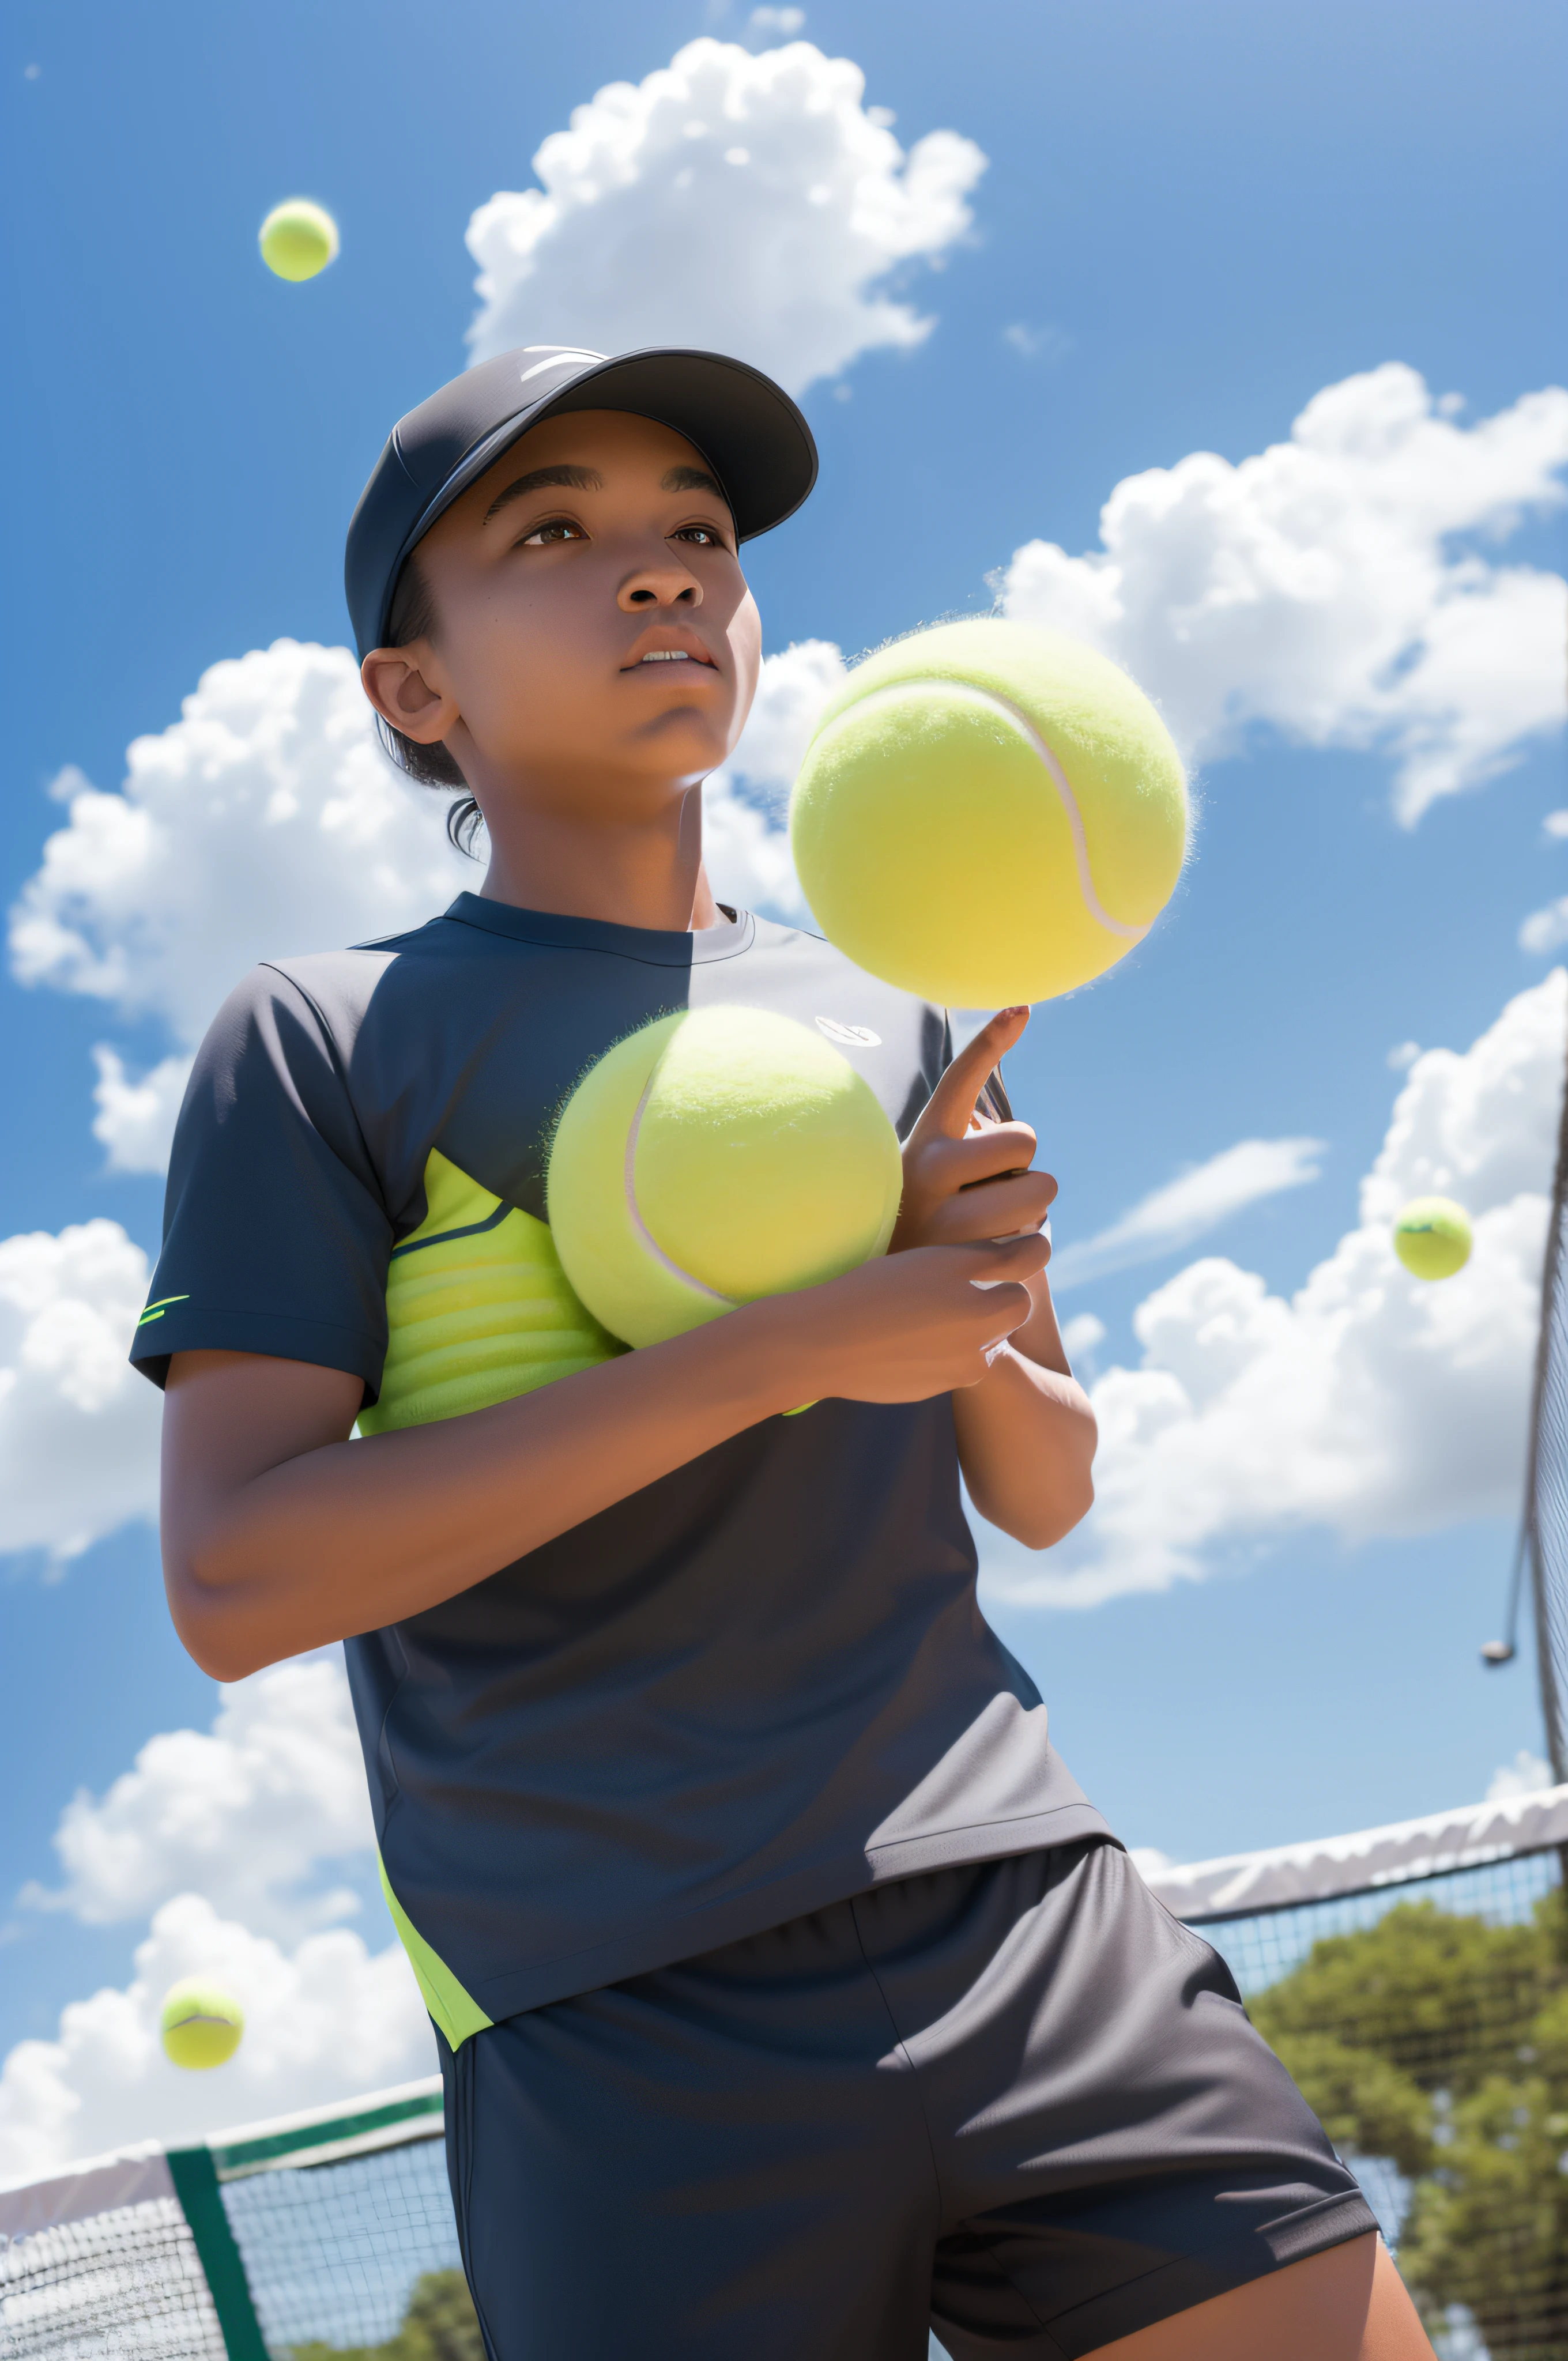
(402, 695)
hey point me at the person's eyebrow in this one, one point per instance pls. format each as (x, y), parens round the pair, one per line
(691, 479)
(543, 480)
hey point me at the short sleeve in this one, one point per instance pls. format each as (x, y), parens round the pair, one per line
(275, 1237)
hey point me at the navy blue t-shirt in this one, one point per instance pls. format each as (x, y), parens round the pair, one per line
(753, 1687)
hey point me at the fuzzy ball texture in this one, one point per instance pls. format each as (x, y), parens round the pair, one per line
(988, 813)
(202, 2025)
(713, 1158)
(1431, 1237)
(298, 239)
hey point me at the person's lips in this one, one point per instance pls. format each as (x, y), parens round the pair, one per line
(668, 653)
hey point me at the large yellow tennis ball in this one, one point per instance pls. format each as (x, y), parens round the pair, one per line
(1431, 1237)
(989, 814)
(201, 2024)
(712, 1158)
(297, 238)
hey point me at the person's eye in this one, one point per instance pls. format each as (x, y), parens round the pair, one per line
(706, 537)
(554, 529)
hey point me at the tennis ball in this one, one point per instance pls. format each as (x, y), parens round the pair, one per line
(715, 1157)
(988, 813)
(1431, 1237)
(201, 2024)
(297, 238)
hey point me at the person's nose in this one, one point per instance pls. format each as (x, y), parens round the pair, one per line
(661, 581)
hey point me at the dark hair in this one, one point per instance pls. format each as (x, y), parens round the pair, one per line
(412, 616)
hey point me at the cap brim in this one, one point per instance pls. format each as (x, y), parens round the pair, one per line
(747, 428)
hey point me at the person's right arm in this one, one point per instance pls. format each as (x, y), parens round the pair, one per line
(280, 1534)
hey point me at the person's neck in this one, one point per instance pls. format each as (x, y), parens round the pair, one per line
(632, 873)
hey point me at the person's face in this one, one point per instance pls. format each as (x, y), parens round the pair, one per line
(594, 629)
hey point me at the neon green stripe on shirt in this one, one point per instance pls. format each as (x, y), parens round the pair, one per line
(156, 1311)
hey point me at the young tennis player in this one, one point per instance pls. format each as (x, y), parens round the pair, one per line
(791, 1995)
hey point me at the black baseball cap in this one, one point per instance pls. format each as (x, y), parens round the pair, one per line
(747, 428)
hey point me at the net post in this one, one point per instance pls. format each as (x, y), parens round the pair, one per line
(1547, 1405)
(195, 2179)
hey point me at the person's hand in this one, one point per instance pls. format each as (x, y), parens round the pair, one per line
(966, 1177)
(903, 1327)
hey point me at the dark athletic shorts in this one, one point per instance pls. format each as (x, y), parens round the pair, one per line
(1016, 2102)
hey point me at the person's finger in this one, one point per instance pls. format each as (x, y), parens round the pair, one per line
(995, 1210)
(952, 1105)
(1006, 1308)
(991, 1262)
(978, 1156)
(944, 1176)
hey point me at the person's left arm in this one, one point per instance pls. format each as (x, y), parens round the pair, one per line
(1026, 1433)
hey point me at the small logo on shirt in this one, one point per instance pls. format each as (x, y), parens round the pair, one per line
(156, 1311)
(854, 1036)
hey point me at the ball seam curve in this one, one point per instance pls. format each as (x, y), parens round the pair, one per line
(634, 1211)
(1057, 776)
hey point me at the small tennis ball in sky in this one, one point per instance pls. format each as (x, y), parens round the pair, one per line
(1431, 1237)
(201, 2023)
(989, 813)
(712, 1158)
(297, 238)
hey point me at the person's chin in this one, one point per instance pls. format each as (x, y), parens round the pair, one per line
(688, 742)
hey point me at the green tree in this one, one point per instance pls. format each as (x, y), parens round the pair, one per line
(439, 2325)
(1442, 2043)
(1446, 1999)
(1363, 2101)
(1489, 2228)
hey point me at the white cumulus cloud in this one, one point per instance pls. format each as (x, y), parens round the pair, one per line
(745, 838)
(1545, 931)
(1366, 1403)
(78, 1427)
(227, 1838)
(324, 2021)
(1477, 1124)
(746, 203)
(246, 1814)
(136, 1114)
(747, 854)
(264, 822)
(1525, 1775)
(1331, 586)
(1083, 1337)
(1189, 1206)
(1047, 344)
(793, 687)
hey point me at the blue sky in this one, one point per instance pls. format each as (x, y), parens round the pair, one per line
(1192, 221)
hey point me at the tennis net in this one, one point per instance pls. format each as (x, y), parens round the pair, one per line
(1415, 1981)
(1414, 1978)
